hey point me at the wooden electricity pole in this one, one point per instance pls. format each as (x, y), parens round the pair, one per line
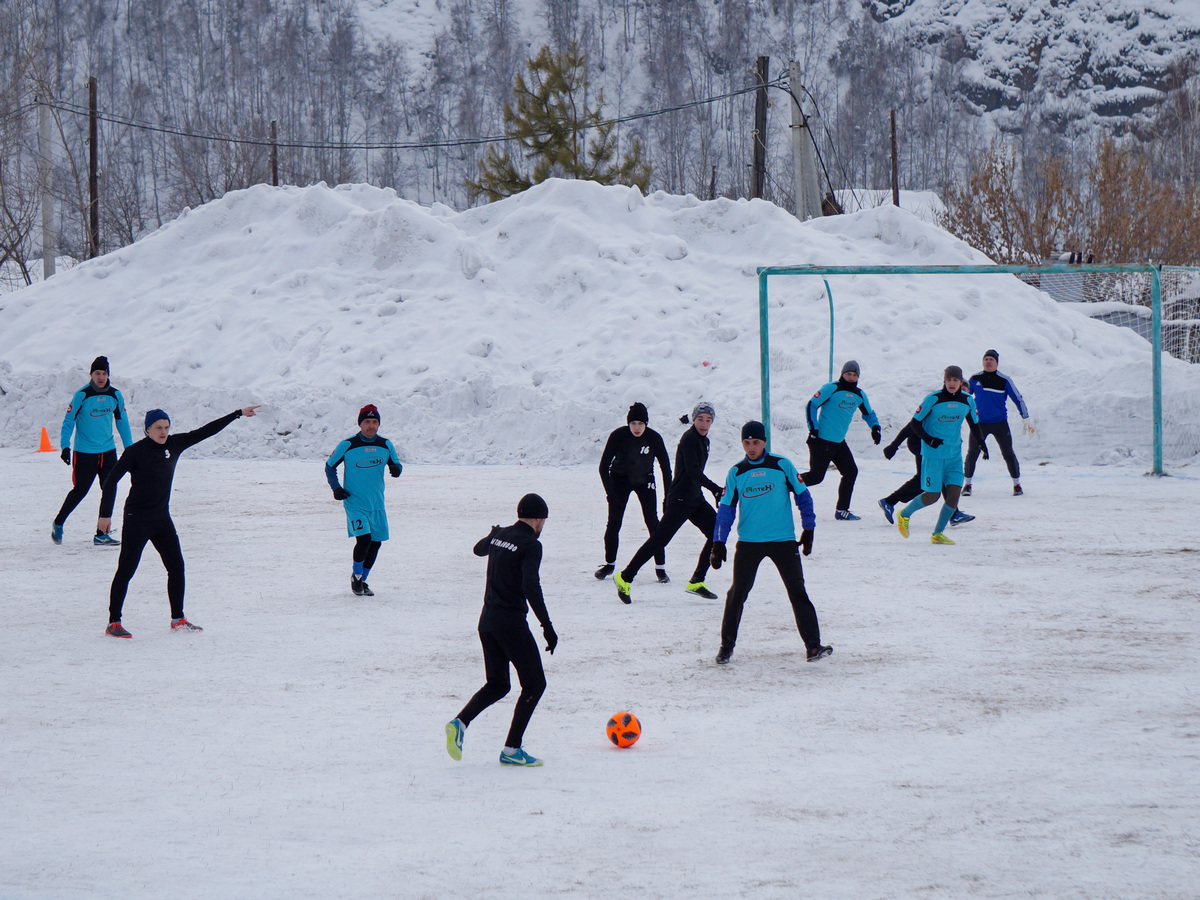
(759, 172)
(895, 165)
(274, 154)
(49, 239)
(93, 171)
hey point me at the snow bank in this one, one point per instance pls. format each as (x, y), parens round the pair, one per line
(521, 331)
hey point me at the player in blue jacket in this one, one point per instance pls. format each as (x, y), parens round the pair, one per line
(93, 411)
(938, 423)
(365, 455)
(992, 390)
(830, 412)
(756, 492)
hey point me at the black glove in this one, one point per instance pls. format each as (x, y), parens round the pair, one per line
(66, 455)
(812, 436)
(934, 442)
(394, 469)
(340, 493)
(876, 435)
(805, 542)
(889, 451)
(551, 637)
(718, 554)
(718, 493)
(983, 448)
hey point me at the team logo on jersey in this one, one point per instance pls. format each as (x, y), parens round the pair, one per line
(757, 490)
(70, 406)
(848, 403)
(372, 462)
(950, 418)
(101, 412)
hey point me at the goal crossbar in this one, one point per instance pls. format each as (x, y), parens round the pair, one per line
(765, 272)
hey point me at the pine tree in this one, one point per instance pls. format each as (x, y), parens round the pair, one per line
(558, 132)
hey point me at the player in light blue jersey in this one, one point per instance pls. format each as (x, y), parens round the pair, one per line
(829, 413)
(938, 423)
(95, 408)
(364, 455)
(756, 493)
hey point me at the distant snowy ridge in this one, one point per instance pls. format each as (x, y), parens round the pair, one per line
(522, 330)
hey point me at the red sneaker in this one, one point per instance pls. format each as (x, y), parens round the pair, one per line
(115, 629)
(184, 625)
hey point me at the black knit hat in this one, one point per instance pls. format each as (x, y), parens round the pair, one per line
(532, 506)
(754, 431)
(99, 364)
(992, 353)
(953, 372)
(851, 366)
(638, 413)
(368, 412)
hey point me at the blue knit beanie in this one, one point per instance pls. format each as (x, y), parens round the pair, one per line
(154, 415)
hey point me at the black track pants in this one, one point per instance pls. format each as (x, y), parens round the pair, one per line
(85, 467)
(909, 489)
(506, 638)
(700, 514)
(618, 499)
(134, 537)
(786, 556)
(1003, 436)
(820, 455)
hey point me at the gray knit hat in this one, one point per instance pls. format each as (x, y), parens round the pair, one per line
(851, 366)
(703, 407)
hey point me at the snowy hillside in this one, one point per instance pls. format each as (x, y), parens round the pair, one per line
(521, 331)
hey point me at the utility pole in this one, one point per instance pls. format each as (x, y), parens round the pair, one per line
(759, 172)
(49, 238)
(93, 171)
(274, 154)
(804, 164)
(895, 165)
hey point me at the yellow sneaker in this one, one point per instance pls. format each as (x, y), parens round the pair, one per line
(622, 587)
(940, 538)
(902, 524)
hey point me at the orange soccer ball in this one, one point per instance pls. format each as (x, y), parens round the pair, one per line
(624, 729)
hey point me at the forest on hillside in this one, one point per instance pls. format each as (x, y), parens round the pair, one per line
(187, 91)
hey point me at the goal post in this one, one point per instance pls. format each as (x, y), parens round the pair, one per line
(1155, 337)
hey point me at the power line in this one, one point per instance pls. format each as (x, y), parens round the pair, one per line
(73, 109)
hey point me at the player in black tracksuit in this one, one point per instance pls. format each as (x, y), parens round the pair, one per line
(684, 503)
(912, 487)
(627, 466)
(513, 587)
(151, 466)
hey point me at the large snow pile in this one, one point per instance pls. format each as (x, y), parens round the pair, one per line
(522, 330)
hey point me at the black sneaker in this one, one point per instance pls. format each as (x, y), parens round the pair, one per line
(723, 655)
(356, 585)
(366, 591)
(966, 491)
(663, 577)
(1017, 492)
(604, 571)
(818, 652)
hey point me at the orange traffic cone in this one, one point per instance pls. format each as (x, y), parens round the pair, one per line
(44, 446)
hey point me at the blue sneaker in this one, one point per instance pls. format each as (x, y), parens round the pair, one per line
(888, 510)
(105, 540)
(455, 730)
(519, 758)
(56, 533)
(844, 515)
(960, 517)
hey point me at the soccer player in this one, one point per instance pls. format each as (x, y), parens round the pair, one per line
(756, 492)
(684, 503)
(938, 422)
(830, 412)
(912, 487)
(513, 586)
(93, 411)
(365, 455)
(992, 390)
(151, 466)
(627, 466)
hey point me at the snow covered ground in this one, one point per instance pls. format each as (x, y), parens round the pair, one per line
(1014, 716)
